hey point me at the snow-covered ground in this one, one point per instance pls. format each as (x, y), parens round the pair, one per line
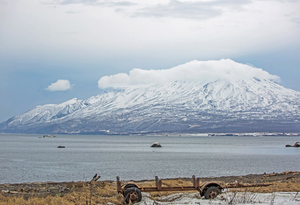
(276, 198)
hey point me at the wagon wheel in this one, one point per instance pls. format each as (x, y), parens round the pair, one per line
(127, 186)
(212, 192)
(132, 195)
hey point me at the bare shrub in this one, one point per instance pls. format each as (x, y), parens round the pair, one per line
(240, 196)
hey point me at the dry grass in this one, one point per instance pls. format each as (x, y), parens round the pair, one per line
(292, 185)
(96, 193)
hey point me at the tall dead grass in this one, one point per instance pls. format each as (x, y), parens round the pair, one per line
(88, 194)
(280, 186)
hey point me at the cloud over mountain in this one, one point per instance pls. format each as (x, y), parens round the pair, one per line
(59, 85)
(200, 71)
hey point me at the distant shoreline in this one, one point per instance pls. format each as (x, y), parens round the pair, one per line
(228, 134)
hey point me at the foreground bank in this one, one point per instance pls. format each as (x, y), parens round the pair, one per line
(284, 187)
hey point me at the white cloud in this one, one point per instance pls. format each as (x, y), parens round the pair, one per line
(206, 29)
(191, 71)
(59, 85)
(191, 9)
(93, 2)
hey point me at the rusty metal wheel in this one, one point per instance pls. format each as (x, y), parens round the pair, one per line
(212, 192)
(132, 195)
(127, 186)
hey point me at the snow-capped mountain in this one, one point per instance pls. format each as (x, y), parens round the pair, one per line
(219, 104)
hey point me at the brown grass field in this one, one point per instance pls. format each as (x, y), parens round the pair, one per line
(103, 192)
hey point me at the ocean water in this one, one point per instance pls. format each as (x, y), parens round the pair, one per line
(30, 158)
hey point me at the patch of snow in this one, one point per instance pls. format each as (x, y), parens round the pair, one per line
(278, 198)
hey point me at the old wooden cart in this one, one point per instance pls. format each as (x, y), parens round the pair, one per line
(132, 192)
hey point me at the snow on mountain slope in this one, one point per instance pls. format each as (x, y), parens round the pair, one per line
(47, 113)
(228, 102)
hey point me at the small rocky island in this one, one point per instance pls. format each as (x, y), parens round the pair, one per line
(155, 144)
(297, 144)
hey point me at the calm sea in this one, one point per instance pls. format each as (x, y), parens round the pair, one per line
(29, 158)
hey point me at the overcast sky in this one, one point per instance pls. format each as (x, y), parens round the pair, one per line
(55, 50)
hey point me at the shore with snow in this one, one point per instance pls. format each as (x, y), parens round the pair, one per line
(283, 190)
(278, 198)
